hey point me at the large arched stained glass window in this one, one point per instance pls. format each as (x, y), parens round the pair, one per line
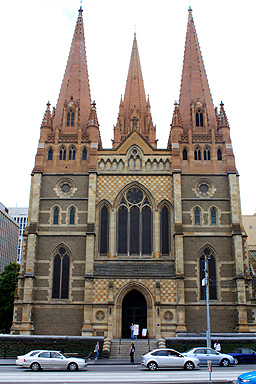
(211, 266)
(165, 231)
(134, 224)
(60, 281)
(103, 231)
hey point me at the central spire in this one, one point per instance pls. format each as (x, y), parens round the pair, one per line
(75, 89)
(194, 90)
(134, 110)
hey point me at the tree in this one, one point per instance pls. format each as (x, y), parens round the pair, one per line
(8, 283)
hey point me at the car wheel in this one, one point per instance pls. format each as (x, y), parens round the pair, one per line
(72, 366)
(236, 361)
(152, 366)
(189, 365)
(35, 367)
(224, 362)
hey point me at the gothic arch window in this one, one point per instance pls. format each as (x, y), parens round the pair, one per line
(207, 154)
(62, 153)
(135, 158)
(197, 153)
(199, 118)
(60, 281)
(197, 216)
(213, 213)
(219, 154)
(211, 266)
(103, 230)
(185, 154)
(84, 154)
(72, 153)
(70, 119)
(165, 231)
(56, 216)
(72, 213)
(134, 218)
(50, 154)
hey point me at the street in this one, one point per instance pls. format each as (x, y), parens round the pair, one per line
(119, 374)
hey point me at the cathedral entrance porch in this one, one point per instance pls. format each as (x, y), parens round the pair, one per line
(134, 310)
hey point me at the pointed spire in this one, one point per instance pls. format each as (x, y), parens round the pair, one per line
(75, 83)
(47, 119)
(134, 110)
(194, 84)
(176, 118)
(222, 118)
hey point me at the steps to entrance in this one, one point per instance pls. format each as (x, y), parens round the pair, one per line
(120, 348)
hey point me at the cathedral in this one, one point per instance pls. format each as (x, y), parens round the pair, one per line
(122, 235)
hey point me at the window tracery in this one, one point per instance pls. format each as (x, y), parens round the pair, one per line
(60, 281)
(134, 218)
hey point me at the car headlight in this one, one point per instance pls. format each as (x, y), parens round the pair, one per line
(245, 380)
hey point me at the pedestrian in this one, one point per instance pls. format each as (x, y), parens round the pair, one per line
(132, 350)
(96, 350)
(132, 331)
(217, 346)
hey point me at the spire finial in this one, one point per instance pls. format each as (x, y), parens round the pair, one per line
(81, 8)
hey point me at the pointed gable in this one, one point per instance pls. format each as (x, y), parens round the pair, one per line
(75, 86)
(194, 84)
(134, 110)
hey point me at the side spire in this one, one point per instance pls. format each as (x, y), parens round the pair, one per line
(134, 110)
(75, 89)
(194, 91)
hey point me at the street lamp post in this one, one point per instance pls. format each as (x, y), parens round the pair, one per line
(206, 279)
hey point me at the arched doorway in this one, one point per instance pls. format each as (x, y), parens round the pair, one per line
(134, 310)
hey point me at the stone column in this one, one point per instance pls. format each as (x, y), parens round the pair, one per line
(238, 249)
(26, 327)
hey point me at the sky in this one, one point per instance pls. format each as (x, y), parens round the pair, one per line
(35, 39)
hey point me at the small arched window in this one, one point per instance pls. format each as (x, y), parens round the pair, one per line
(197, 216)
(84, 154)
(56, 216)
(219, 155)
(72, 154)
(197, 154)
(70, 119)
(50, 153)
(185, 154)
(211, 267)
(199, 119)
(62, 153)
(72, 216)
(60, 283)
(207, 154)
(213, 216)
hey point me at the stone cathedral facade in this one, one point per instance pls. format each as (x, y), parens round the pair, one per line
(120, 235)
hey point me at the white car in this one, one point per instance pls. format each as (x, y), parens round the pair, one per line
(52, 360)
(168, 358)
(204, 354)
(19, 359)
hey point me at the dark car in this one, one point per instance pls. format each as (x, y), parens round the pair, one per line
(244, 355)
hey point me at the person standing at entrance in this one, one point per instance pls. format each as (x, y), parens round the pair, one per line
(132, 331)
(217, 346)
(132, 350)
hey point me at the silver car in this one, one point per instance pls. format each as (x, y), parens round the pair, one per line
(204, 354)
(19, 359)
(52, 360)
(168, 358)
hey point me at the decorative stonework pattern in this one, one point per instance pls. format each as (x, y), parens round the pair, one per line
(109, 186)
(100, 315)
(167, 289)
(168, 315)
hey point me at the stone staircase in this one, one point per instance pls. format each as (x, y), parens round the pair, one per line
(120, 348)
